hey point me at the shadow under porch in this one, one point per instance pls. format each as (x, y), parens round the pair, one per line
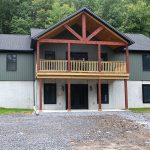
(84, 94)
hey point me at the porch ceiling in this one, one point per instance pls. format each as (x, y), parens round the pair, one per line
(91, 25)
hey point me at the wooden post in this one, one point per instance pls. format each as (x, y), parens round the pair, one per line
(69, 57)
(99, 96)
(99, 57)
(84, 26)
(38, 56)
(69, 101)
(127, 59)
(41, 89)
(126, 94)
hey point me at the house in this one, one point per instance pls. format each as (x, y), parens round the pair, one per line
(81, 62)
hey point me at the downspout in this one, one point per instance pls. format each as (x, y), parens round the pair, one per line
(35, 111)
(34, 103)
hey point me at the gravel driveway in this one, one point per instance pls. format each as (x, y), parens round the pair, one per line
(77, 131)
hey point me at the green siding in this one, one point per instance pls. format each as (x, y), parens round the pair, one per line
(135, 65)
(136, 68)
(25, 68)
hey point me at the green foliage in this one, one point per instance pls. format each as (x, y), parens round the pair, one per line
(18, 16)
(137, 18)
(59, 11)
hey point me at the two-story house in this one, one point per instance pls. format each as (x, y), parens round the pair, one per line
(82, 62)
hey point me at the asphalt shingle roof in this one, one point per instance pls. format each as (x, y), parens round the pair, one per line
(22, 42)
(35, 31)
(142, 42)
(15, 42)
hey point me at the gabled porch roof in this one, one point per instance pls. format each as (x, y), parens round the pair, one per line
(91, 14)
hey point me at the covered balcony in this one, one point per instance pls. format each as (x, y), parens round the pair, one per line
(82, 69)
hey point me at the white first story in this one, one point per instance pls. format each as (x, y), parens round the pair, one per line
(84, 95)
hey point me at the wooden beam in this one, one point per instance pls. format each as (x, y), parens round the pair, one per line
(107, 28)
(83, 26)
(95, 33)
(82, 77)
(73, 32)
(99, 57)
(69, 97)
(38, 56)
(67, 73)
(126, 94)
(83, 42)
(59, 26)
(127, 59)
(99, 96)
(41, 88)
(69, 57)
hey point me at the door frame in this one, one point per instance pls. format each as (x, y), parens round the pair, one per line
(66, 93)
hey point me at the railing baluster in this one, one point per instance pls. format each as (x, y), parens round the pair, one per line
(83, 66)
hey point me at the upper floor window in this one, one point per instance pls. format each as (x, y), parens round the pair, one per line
(146, 62)
(104, 57)
(146, 93)
(11, 62)
(49, 55)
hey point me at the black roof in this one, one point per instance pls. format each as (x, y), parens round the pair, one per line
(142, 42)
(84, 9)
(15, 42)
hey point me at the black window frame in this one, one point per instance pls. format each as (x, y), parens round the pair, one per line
(77, 53)
(144, 100)
(104, 56)
(7, 62)
(144, 63)
(52, 53)
(102, 101)
(55, 97)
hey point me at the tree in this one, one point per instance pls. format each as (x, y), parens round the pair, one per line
(59, 11)
(7, 10)
(137, 18)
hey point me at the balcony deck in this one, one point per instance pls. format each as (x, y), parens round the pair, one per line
(57, 69)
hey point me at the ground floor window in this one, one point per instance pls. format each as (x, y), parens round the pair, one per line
(146, 93)
(104, 94)
(49, 93)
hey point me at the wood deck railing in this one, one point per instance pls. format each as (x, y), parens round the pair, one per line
(83, 66)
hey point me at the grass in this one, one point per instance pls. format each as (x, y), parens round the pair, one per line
(140, 110)
(15, 111)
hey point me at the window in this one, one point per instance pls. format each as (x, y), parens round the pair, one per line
(146, 93)
(104, 57)
(104, 94)
(146, 62)
(49, 93)
(49, 55)
(77, 55)
(11, 62)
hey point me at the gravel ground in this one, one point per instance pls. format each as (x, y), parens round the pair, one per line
(77, 131)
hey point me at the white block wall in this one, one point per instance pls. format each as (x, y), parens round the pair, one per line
(135, 94)
(116, 94)
(16, 94)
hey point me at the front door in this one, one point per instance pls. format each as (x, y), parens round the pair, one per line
(79, 96)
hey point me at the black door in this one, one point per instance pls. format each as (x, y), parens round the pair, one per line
(104, 94)
(49, 93)
(79, 96)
